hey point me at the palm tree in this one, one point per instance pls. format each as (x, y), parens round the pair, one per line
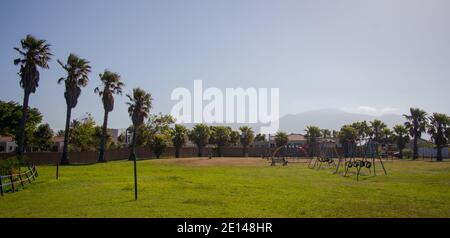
(416, 124)
(247, 137)
(347, 137)
(377, 128)
(326, 133)
(200, 135)
(400, 137)
(362, 128)
(439, 129)
(376, 132)
(34, 53)
(179, 136)
(221, 137)
(234, 137)
(281, 139)
(111, 85)
(138, 108)
(312, 134)
(386, 136)
(77, 76)
(260, 137)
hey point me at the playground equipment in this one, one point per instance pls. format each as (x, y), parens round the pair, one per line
(291, 152)
(17, 178)
(369, 149)
(276, 158)
(327, 153)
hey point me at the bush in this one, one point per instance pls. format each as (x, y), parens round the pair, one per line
(11, 165)
(407, 153)
(158, 144)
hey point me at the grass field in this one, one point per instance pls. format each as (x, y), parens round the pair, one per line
(231, 187)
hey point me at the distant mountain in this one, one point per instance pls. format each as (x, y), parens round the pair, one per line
(332, 119)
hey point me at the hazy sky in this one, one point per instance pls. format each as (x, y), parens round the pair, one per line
(379, 56)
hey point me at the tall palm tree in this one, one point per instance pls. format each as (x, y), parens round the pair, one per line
(401, 137)
(376, 132)
(111, 85)
(377, 128)
(247, 137)
(416, 124)
(439, 129)
(77, 76)
(386, 136)
(138, 108)
(34, 53)
(179, 136)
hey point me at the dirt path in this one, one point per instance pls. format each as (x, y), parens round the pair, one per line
(222, 161)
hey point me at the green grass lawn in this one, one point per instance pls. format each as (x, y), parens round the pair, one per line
(193, 188)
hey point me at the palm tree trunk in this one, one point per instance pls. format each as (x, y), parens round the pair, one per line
(244, 150)
(133, 157)
(177, 152)
(415, 149)
(64, 159)
(101, 157)
(400, 152)
(21, 145)
(133, 145)
(219, 150)
(199, 152)
(439, 153)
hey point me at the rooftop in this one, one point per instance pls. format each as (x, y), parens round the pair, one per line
(6, 138)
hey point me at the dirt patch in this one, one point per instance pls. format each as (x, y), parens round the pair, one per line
(222, 161)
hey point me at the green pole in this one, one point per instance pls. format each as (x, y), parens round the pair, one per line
(135, 178)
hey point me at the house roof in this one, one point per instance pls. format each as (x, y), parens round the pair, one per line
(6, 138)
(57, 139)
(296, 137)
(292, 137)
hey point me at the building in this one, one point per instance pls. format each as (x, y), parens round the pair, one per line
(294, 140)
(115, 133)
(58, 143)
(7, 144)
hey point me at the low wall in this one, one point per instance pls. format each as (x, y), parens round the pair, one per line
(89, 157)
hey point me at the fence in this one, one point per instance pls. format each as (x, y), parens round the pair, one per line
(89, 157)
(17, 178)
(432, 152)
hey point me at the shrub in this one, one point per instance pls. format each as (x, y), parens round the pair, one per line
(10, 165)
(407, 153)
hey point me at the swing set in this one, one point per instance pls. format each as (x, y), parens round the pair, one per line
(327, 154)
(368, 149)
(359, 155)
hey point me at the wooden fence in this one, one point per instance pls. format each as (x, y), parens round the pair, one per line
(12, 180)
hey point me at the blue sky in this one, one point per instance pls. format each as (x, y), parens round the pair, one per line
(359, 56)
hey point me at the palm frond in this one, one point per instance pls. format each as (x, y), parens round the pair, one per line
(60, 80)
